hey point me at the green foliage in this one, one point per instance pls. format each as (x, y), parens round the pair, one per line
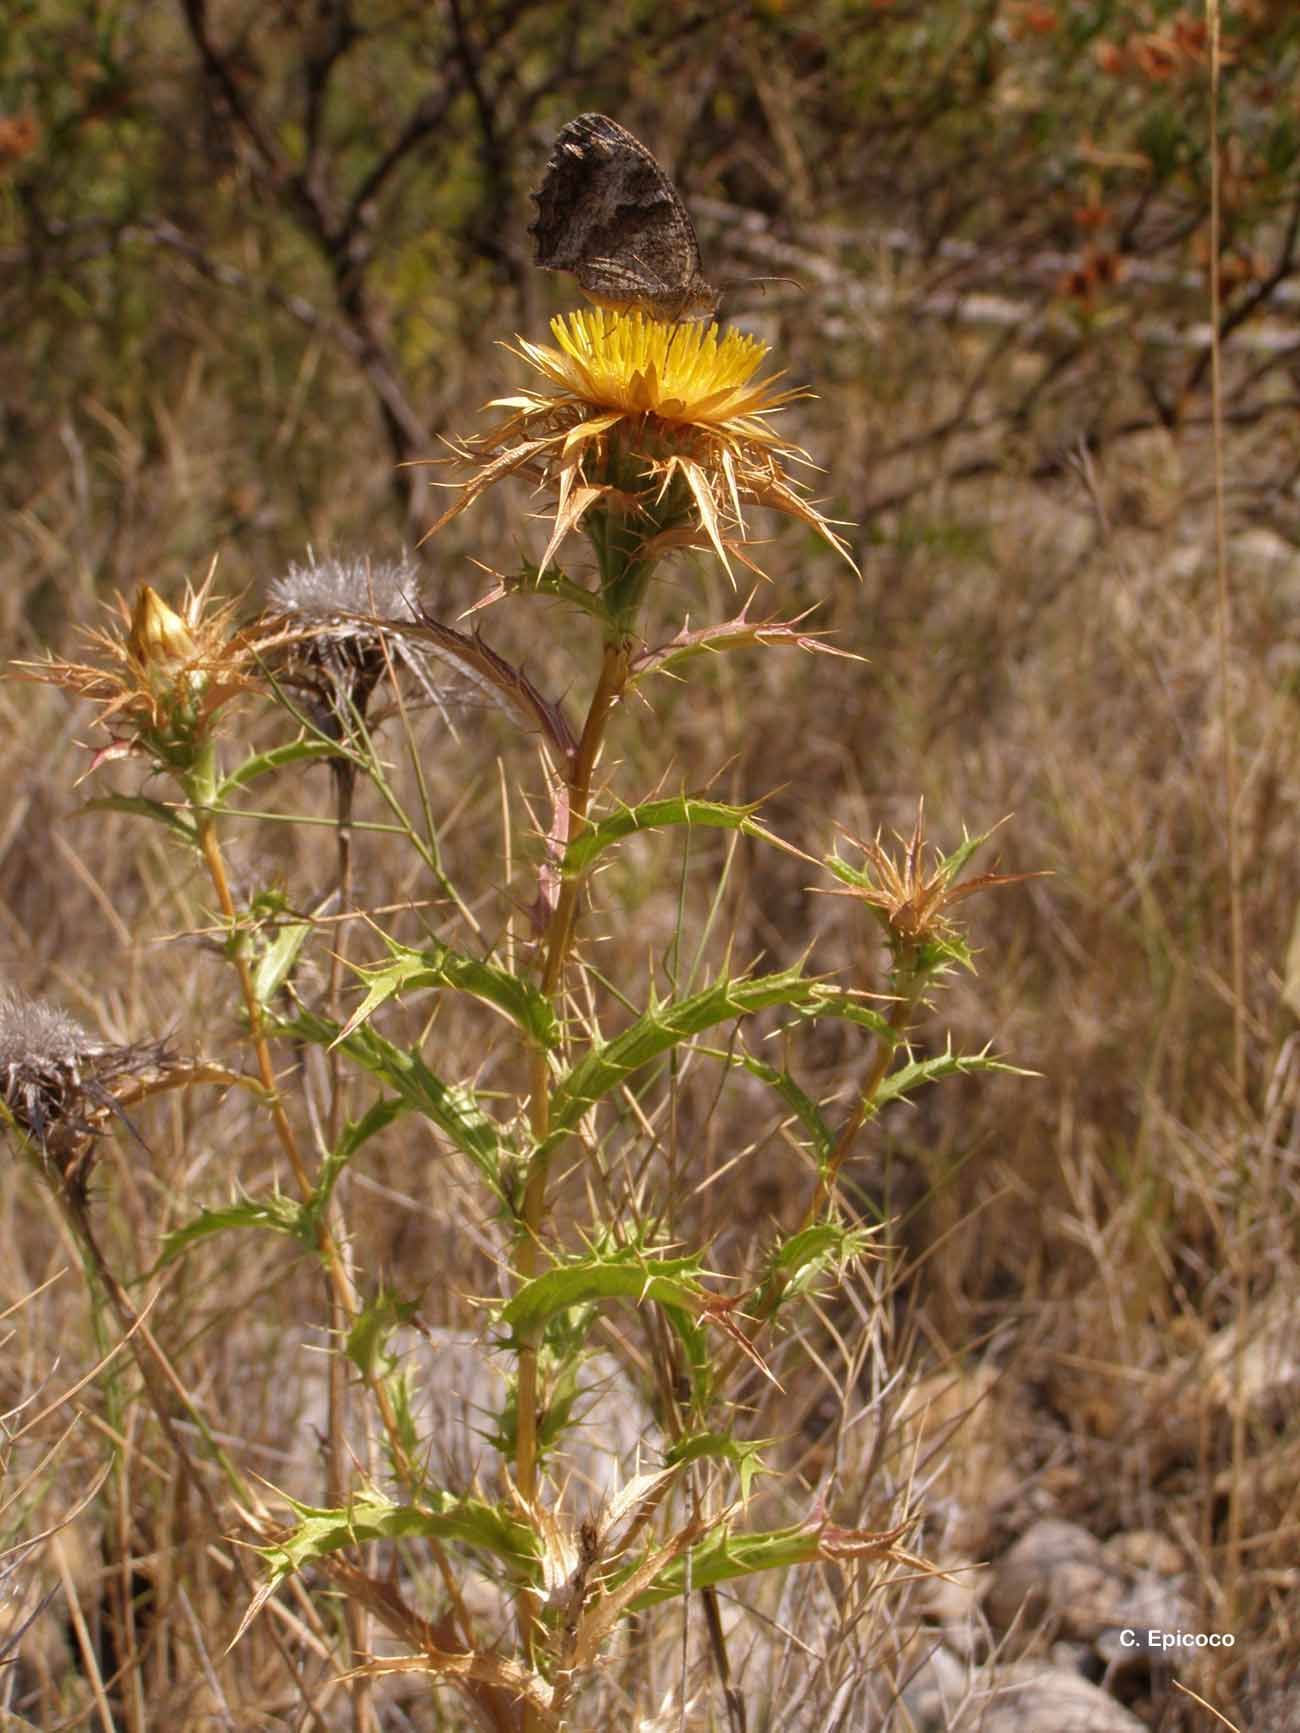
(370, 1516)
(139, 807)
(277, 1215)
(697, 1348)
(453, 1108)
(440, 966)
(272, 763)
(553, 582)
(278, 959)
(657, 815)
(900, 1084)
(831, 1002)
(629, 1275)
(801, 1105)
(816, 1257)
(745, 1457)
(726, 1557)
(375, 1120)
(367, 1342)
(666, 1025)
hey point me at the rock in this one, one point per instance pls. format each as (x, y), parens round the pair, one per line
(1263, 551)
(959, 1424)
(937, 1687)
(1059, 1578)
(1143, 1549)
(1277, 1711)
(1151, 1604)
(1256, 1364)
(1071, 1657)
(458, 1390)
(1031, 1697)
(952, 1601)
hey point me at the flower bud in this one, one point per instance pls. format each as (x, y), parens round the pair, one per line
(158, 638)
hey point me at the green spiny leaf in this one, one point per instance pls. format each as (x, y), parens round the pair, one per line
(846, 872)
(453, 1108)
(276, 962)
(721, 1446)
(553, 582)
(277, 758)
(143, 808)
(626, 1274)
(695, 1342)
(918, 1072)
(815, 1251)
(440, 966)
(371, 1516)
(355, 1134)
(848, 1007)
(951, 865)
(367, 1340)
(278, 1215)
(783, 1085)
(724, 1556)
(665, 1025)
(682, 809)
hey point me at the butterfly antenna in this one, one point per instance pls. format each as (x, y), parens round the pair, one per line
(746, 282)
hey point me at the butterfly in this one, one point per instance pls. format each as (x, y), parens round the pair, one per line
(607, 212)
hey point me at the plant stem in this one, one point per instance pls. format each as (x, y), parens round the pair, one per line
(341, 1291)
(168, 1397)
(344, 773)
(900, 1016)
(357, 1618)
(335, 1264)
(213, 859)
(556, 945)
(609, 689)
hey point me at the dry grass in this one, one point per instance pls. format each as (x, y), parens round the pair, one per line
(1092, 1271)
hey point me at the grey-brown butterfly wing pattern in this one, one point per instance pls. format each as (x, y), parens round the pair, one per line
(607, 212)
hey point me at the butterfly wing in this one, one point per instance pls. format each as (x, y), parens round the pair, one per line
(607, 212)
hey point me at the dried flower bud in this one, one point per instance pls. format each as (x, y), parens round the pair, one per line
(337, 612)
(56, 1079)
(331, 591)
(910, 892)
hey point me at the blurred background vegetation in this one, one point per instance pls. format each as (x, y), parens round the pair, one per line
(256, 265)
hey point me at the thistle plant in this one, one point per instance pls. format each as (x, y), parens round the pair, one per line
(645, 441)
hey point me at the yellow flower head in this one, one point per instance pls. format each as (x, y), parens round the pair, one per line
(663, 427)
(691, 374)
